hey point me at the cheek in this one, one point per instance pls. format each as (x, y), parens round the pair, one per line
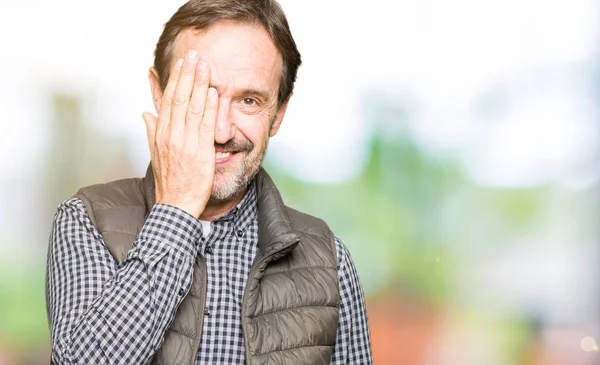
(255, 128)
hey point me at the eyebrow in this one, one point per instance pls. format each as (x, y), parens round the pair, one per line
(261, 94)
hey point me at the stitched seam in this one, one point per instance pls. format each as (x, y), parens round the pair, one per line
(328, 237)
(291, 348)
(311, 233)
(181, 333)
(87, 204)
(297, 307)
(300, 268)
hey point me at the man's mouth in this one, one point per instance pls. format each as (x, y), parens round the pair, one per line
(224, 152)
(221, 155)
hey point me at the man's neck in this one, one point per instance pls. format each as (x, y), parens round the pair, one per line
(216, 210)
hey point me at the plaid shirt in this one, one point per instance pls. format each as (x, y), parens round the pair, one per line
(105, 313)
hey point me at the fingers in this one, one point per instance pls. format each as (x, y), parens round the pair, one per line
(181, 139)
(197, 103)
(181, 97)
(207, 126)
(164, 114)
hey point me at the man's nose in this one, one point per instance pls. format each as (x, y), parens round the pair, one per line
(224, 127)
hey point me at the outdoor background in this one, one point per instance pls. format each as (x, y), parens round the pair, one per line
(453, 146)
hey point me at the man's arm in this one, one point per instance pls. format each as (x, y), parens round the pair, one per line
(353, 343)
(105, 313)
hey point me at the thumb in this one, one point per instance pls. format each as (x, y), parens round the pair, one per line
(150, 121)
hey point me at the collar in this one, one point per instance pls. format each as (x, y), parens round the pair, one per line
(276, 236)
(244, 213)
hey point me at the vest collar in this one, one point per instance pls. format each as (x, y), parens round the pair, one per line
(276, 236)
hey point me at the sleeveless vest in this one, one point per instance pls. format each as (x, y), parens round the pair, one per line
(291, 300)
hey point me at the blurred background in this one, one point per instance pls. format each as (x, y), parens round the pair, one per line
(452, 145)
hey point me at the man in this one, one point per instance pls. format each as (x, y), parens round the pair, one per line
(199, 262)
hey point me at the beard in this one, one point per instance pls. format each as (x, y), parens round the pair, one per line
(233, 179)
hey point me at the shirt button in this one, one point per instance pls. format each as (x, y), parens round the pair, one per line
(181, 292)
(208, 250)
(240, 233)
(206, 311)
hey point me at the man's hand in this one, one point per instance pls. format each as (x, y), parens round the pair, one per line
(181, 139)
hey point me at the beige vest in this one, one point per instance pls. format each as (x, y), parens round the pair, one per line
(291, 301)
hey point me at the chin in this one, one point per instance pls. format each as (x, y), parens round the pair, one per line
(231, 180)
(227, 186)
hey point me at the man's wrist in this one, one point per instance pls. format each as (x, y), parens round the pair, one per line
(173, 226)
(189, 208)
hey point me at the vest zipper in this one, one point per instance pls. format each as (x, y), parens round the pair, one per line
(244, 327)
(250, 276)
(200, 322)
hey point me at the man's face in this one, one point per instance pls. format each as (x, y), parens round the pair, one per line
(245, 68)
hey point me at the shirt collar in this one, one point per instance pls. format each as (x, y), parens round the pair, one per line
(245, 212)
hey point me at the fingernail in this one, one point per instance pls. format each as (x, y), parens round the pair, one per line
(179, 62)
(191, 55)
(212, 92)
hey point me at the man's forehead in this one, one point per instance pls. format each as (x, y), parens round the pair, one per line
(231, 41)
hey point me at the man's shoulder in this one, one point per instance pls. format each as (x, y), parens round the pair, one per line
(118, 193)
(307, 223)
(117, 209)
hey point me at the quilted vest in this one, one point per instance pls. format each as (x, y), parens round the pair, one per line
(291, 301)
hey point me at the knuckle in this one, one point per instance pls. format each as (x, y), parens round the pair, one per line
(206, 128)
(210, 110)
(178, 100)
(165, 146)
(211, 105)
(166, 100)
(188, 69)
(174, 144)
(195, 114)
(163, 154)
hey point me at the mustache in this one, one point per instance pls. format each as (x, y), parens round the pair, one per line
(235, 145)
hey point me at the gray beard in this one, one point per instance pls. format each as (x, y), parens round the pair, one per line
(237, 182)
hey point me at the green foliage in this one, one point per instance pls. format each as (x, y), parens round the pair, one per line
(23, 322)
(406, 216)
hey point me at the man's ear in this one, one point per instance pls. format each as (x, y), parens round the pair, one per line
(279, 117)
(155, 88)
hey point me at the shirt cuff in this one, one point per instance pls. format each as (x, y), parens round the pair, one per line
(174, 227)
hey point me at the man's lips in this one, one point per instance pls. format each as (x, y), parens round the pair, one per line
(223, 154)
(223, 157)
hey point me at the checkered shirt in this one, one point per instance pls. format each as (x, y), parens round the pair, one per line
(105, 313)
